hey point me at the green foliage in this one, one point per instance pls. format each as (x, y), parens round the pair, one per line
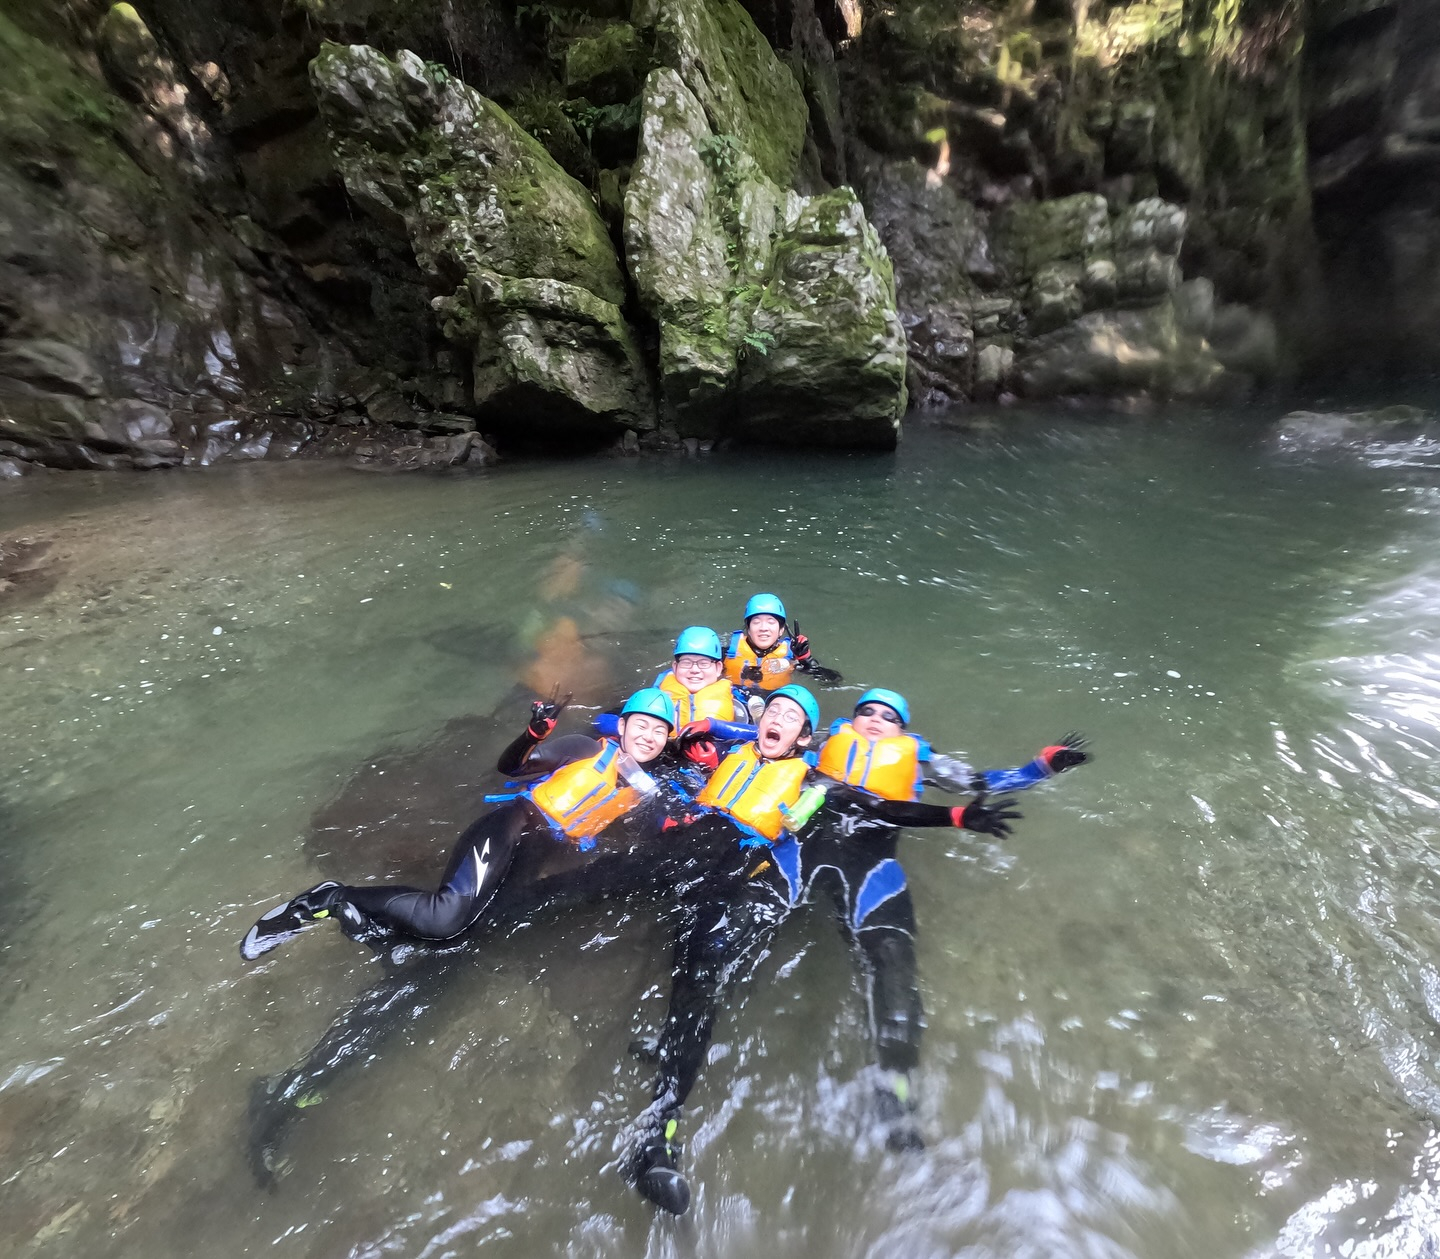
(722, 154)
(759, 340)
(586, 117)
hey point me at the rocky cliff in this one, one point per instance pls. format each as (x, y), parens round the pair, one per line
(383, 228)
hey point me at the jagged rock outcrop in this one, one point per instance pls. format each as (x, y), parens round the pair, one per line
(1373, 115)
(776, 312)
(529, 283)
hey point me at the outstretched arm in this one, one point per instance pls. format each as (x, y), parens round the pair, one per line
(955, 775)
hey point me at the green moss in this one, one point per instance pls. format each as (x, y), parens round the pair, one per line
(51, 109)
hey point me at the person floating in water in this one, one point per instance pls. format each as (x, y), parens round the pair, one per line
(583, 787)
(697, 686)
(766, 654)
(852, 852)
(749, 800)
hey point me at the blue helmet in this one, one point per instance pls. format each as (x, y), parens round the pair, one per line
(699, 641)
(765, 605)
(802, 697)
(653, 702)
(891, 699)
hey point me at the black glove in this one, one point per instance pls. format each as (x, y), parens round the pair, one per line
(544, 713)
(752, 673)
(1066, 754)
(821, 674)
(986, 819)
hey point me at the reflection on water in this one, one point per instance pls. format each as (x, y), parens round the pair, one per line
(1189, 1010)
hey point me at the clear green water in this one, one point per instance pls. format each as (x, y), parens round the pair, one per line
(1189, 1010)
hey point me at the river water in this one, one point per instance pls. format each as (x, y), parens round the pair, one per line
(1189, 1009)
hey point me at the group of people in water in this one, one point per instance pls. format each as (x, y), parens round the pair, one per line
(718, 788)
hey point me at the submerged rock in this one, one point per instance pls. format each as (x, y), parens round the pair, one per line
(530, 284)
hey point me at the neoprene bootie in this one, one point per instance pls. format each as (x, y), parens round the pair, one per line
(654, 1173)
(895, 1109)
(286, 921)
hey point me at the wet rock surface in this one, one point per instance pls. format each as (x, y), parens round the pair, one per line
(559, 223)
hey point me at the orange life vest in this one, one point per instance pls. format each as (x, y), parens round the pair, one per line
(888, 767)
(753, 790)
(584, 797)
(715, 700)
(776, 666)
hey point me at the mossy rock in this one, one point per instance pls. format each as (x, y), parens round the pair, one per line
(745, 90)
(824, 357)
(1030, 234)
(536, 286)
(678, 247)
(607, 69)
(468, 183)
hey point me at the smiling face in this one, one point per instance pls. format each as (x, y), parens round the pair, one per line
(643, 736)
(697, 672)
(764, 631)
(780, 728)
(877, 721)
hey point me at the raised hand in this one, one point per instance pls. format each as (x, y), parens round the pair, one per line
(544, 713)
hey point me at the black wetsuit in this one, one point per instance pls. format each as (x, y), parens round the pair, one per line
(731, 917)
(542, 871)
(480, 863)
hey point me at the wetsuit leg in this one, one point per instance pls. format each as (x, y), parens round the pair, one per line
(875, 910)
(724, 931)
(886, 941)
(277, 1102)
(478, 865)
(723, 935)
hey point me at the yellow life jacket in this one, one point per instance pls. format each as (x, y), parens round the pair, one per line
(715, 700)
(752, 790)
(584, 797)
(888, 767)
(776, 666)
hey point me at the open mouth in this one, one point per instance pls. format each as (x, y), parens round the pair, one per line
(771, 741)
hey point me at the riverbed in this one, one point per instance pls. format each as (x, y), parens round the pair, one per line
(1189, 1009)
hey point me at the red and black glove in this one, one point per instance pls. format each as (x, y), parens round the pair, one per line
(697, 744)
(799, 646)
(544, 713)
(1066, 754)
(986, 819)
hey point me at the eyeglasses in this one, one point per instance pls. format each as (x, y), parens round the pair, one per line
(888, 715)
(693, 664)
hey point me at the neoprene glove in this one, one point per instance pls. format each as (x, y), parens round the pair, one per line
(697, 744)
(1066, 754)
(986, 819)
(752, 673)
(544, 713)
(822, 674)
(800, 646)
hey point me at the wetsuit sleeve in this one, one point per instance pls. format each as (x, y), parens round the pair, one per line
(731, 731)
(955, 775)
(607, 724)
(527, 755)
(910, 813)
